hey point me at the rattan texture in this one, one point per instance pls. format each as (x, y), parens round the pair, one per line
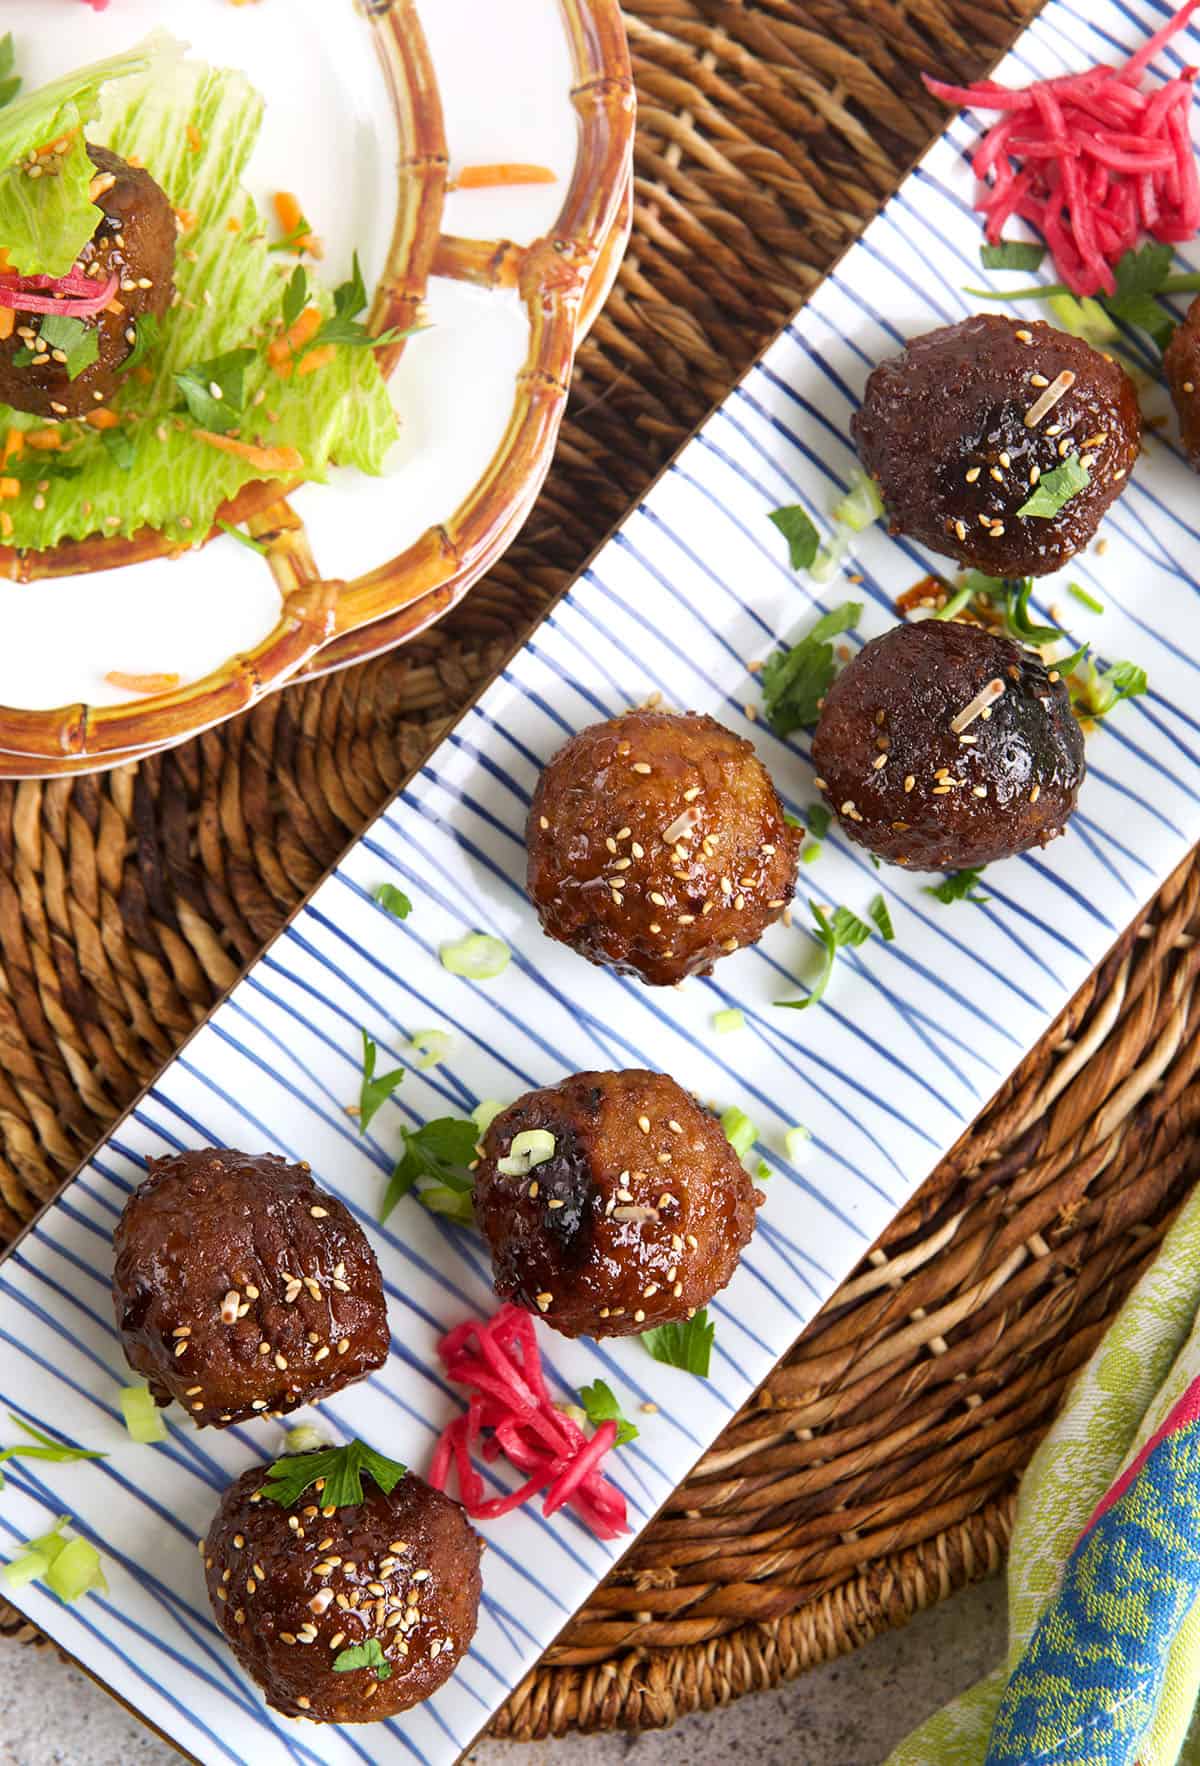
(875, 1470)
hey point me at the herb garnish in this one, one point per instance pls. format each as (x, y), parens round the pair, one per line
(374, 1091)
(958, 886)
(1097, 693)
(600, 1406)
(795, 681)
(10, 83)
(439, 1153)
(1012, 254)
(800, 532)
(147, 337)
(1140, 276)
(832, 934)
(215, 392)
(344, 327)
(687, 1345)
(1055, 489)
(1010, 597)
(341, 1468)
(71, 338)
(57, 1452)
(295, 240)
(364, 1655)
(878, 910)
(394, 900)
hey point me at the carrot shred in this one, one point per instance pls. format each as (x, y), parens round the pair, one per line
(186, 219)
(103, 418)
(194, 138)
(44, 441)
(318, 358)
(233, 225)
(141, 683)
(493, 177)
(274, 462)
(305, 328)
(291, 218)
(8, 320)
(10, 488)
(6, 525)
(14, 445)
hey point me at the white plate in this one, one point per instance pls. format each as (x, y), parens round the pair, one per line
(914, 1038)
(504, 75)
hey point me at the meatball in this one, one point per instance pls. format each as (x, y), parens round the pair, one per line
(1181, 361)
(959, 429)
(240, 1287)
(293, 1588)
(943, 746)
(637, 1217)
(657, 844)
(136, 242)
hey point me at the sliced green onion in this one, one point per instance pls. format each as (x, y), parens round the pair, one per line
(828, 560)
(533, 1146)
(1080, 594)
(793, 1142)
(76, 1571)
(810, 852)
(731, 1019)
(143, 1418)
(50, 1545)
(478, 956)
(1084, 318)
(431, 1046)
(762, 1171)
(304, 1438)
(862, 505)
(31, 1567)
(740, 1132)
(455, 1205)
(485, 1113)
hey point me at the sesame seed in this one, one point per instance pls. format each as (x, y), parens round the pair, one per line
(1035, 794)
(973, 474)
(543, 823)
(1024, 336)
(879, 762)
(281, 1363)
(343, 1347)
(960, 529)
(644, 1124)
(641, 766)
(979, 790)
(1038, 380)
(909, 782)
(543, 1301)
(319, 1213)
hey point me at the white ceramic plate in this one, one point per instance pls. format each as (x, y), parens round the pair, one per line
(914, 1038)
(504, 74)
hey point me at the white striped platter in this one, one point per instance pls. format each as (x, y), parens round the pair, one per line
(913, 1039)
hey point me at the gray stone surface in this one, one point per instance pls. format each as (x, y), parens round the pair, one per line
(848, 1713)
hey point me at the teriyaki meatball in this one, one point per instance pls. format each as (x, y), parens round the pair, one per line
(611, 1203)
(961, 429)
(943, 746)
(1181, 362)
(657, 844)
(241, 1287)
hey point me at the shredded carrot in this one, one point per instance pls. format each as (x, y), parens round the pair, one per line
(305, 328)
(186, 219)
(10, 488)
(14, 445)
(273, 461)
(194, 138)
(137, 162)
(44, 441)
(318, 358)
(103, 418)
(233, 224)
(490, 177)
(114, 306)
(291, 217)
(141, 683)
(8, 320)
(6, 525)
(58, 145)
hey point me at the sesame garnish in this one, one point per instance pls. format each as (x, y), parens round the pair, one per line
(543, 1301)
(973, 474)
(1035, 794)
(642, 766)
(319, 1213)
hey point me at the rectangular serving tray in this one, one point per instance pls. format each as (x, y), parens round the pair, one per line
(914, 1038)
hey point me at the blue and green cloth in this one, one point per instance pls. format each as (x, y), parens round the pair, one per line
(1103, 1664)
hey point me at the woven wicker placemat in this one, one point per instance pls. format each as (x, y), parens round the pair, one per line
(874, 1472)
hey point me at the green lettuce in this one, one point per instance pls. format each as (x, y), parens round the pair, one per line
(45, 222)
(194, 130)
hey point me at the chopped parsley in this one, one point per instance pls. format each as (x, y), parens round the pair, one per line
(58, 1452)
(1141, 275)
(77, 342)
(958, 886)
(297, 239)
(1054, 490)
(795, 681)
(687, 1345)
(215, 392)
(439, 1153)
(364, 1655)
(344, 326)
(818, 817)
(394, 900)
(800, 532)
(338, 1469)
(832, 934)
(374, 1091)
(147, 337)
(600, 1406)
(295, 296)
(1012, 254)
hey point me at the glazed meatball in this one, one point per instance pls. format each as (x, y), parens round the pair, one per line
(657, 844)
(944, 747)
(959, 429)
(135, 241)
(1181, 360)
(637, 1217)
(240, 1287)
(293, 1588)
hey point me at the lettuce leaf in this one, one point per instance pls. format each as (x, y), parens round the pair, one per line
(45, 222)
(194, 132)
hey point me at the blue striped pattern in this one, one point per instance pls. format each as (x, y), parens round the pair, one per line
(914, 1039)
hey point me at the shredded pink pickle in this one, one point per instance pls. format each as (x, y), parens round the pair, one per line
(1089, 160)
(498, 1360)
(80, 297)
